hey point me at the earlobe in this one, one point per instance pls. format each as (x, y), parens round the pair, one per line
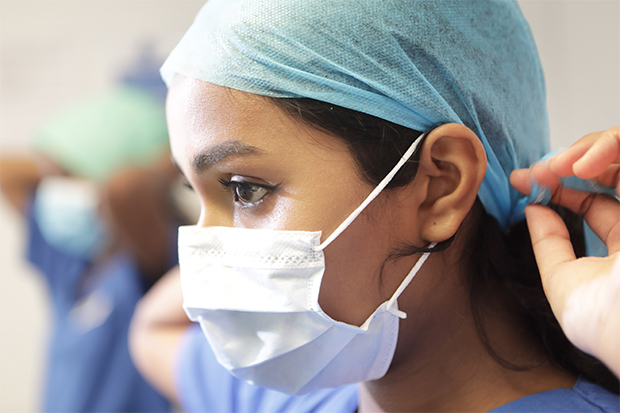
(452, 167)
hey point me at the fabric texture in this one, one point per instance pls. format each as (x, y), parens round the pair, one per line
(415, 63)
(205, 386)
(89, 367)
(95, 137)
(255, 294)
(583, 397)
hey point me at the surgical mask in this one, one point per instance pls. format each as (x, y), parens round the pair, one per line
(255, 294)
(66, 211)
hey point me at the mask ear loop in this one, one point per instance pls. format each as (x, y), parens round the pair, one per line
(391, 306)
(373, 194)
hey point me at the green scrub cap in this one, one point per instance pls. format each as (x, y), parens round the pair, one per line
(98, 136)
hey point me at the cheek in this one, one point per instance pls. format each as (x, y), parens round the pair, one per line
(306, 201)
(278, 212)
(353, 286)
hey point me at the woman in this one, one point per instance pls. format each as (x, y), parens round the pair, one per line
(358, 225)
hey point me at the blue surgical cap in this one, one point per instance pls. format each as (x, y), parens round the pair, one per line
(415, 63)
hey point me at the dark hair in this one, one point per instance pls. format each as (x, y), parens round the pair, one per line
(495, 261)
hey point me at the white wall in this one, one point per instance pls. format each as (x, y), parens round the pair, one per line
(52, 52)
(579, 45)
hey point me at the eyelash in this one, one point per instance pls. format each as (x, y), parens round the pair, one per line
(235, 185)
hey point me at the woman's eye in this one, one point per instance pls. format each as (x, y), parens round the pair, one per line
(247, 193)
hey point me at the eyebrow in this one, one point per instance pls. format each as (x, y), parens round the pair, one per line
(205, 160)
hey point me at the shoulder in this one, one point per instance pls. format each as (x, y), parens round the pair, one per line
(583, 397)
(598, 396)
(203, 385)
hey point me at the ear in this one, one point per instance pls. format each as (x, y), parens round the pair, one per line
(452, 166)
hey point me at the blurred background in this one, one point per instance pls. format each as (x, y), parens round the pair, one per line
(53, 53)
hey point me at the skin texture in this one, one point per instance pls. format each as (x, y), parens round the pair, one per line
(19, 175)
(590, 284)
(439, 364)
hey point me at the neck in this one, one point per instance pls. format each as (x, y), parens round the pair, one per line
(441, 364)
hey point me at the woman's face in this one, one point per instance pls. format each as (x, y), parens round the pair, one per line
(253, 166)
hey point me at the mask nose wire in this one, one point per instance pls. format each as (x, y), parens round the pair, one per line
(373, 194)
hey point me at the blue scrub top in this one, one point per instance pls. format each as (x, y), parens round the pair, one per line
(89, 367)
(203, 385)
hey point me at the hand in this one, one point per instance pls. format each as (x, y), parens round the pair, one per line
(134, 200)
(584, 293)
(20, 175)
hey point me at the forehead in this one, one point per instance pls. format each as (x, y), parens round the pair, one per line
(196, 109)
(202, 116)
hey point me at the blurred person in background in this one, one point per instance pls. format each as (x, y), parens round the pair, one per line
(101, 230)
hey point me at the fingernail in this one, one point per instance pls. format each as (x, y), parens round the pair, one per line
(540, 194)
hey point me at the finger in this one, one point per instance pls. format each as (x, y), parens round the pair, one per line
(601, 212)
(559, 269)
(542, 173)
(562, 163)
(520, 180)
(593, 154)
(561, 273)
(610, 177)
(550, 239)
(601, 154)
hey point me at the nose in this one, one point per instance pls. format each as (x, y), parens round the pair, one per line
(214, 216)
